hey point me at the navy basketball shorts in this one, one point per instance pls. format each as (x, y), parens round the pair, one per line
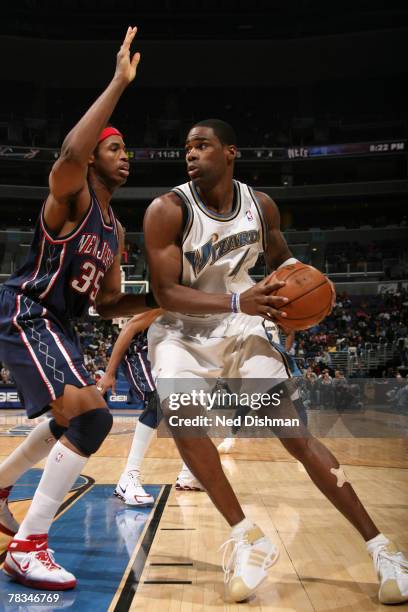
(152, 414)
(136, 369)
(42, 354)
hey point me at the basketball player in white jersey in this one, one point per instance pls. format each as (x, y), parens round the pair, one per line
(201, 240)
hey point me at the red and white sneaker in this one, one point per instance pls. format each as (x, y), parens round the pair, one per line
(32, 563)
(187, 482)
(130, 490)
(8, 523)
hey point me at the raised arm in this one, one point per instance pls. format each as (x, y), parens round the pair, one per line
(163, 226)
(132, 327)
(69, 194)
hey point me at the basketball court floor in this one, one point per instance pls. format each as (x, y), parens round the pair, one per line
(166, 558)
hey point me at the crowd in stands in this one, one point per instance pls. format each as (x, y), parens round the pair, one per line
(373, 256)
(355, 325)
(5, 376)
(97, 340)
(327, 391)
(332, 389)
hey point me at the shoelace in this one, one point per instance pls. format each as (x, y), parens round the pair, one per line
(230, 548)
(47, 559)
(135, 476)
(396, 559)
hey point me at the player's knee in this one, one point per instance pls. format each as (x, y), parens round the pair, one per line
(56, 429)
(88, 430)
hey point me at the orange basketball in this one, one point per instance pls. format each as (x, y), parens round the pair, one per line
(310, 295)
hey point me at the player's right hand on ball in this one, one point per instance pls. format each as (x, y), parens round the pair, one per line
(126, 67)
(108, 381)
(258, 299)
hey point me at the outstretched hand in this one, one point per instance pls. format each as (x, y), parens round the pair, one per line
(126, 67)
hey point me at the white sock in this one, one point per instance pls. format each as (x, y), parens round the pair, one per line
(34, 448)
(62, 468)
(140, 443)
(379, 540)
(241, 527)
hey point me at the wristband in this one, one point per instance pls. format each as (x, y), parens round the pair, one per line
(235, 303)
(290, 261)
(151, 301)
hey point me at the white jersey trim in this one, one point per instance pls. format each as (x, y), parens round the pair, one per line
(213, 215)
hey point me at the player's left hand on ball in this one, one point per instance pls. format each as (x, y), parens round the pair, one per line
(258, 300)
(125, 67)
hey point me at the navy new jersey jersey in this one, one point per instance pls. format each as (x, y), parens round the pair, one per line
(64, 274)
(59, 280)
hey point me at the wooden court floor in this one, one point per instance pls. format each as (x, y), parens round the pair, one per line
(323, 563)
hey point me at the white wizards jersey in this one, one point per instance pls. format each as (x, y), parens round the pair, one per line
(218, 250)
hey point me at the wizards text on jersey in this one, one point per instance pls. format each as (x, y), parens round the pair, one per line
(212, 251)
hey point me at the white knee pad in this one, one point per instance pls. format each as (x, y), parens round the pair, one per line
(340, 475)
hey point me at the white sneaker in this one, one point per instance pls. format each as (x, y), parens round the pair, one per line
(8, 523)
(246, 561)
(187, 482)
(129, 489)
(32, 563)
(226, 446)
(392, 570)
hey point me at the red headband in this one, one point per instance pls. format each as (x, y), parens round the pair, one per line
(108, 131)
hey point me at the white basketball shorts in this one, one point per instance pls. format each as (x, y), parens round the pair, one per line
(232, 347)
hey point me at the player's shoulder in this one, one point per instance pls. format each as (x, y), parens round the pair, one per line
(165, 200)
(268, 206)
(264, 199)
(166, 208)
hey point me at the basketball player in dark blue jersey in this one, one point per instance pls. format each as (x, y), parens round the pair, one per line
(74, 262)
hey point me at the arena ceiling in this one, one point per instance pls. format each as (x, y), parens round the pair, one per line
(202, 19)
